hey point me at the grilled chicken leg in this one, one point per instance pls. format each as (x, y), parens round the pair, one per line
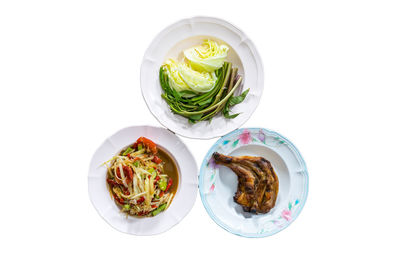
(258, 183)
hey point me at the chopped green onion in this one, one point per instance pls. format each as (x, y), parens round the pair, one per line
(140, 147)
(127, 207)
(136, 164)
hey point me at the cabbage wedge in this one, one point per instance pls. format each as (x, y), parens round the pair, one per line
(207, 57)
(199, 82)
(175, 81)
(187, 81)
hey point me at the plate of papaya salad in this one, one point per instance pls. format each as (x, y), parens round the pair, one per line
(202, 77)
(143, 180)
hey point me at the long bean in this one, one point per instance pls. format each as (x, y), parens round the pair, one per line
(215, 105)
(200, 107)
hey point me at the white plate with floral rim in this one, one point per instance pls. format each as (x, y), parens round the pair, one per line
(218, 184)
(185, 195)
(184, 34)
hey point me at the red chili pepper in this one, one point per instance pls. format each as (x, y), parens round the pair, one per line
(169, 184)
(157, 179)
(140, 200)
(156, 160)
(153, 206)
(161, 194)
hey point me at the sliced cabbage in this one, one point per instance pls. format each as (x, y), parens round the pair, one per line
(206, 57)
(175, 81)
(199, 82)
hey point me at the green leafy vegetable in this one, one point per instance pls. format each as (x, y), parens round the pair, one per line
(207, 57)
(198, 82)
(187, 81)
(175, 80)
(234, 100)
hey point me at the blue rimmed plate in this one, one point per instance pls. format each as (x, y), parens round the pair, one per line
(218, 184)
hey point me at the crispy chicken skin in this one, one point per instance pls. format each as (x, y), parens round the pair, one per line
(258, 184)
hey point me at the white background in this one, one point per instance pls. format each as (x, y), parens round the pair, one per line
(67, 69)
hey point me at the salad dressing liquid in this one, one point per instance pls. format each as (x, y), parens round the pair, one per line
(170, 169)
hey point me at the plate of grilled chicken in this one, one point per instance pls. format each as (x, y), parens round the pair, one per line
(253, 182)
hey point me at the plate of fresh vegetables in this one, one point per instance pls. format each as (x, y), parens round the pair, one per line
(202, 77)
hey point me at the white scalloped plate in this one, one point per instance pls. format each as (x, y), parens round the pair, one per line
(218, 184)
(185, 196)
(187, 33)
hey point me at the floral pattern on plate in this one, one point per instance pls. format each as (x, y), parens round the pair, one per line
(294, 185)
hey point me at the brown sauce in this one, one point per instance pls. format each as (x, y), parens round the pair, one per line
(170, 168)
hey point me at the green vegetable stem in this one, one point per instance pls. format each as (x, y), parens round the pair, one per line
(159, 209)
(200, 107)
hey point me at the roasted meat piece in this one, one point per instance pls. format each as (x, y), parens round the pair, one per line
(258, 184)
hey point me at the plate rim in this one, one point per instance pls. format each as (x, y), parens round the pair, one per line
(211, 213)
(253, 49)
(103, 217)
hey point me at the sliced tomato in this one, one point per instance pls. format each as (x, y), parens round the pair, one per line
(156, 160)
(111, 182)
(142, 213)
(120, 200)
(140, 200)
(128, 172)
(147, 143)
(169, 184)
(126, 191)
(118, 176)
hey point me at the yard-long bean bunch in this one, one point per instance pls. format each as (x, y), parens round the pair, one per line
(204, 106)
